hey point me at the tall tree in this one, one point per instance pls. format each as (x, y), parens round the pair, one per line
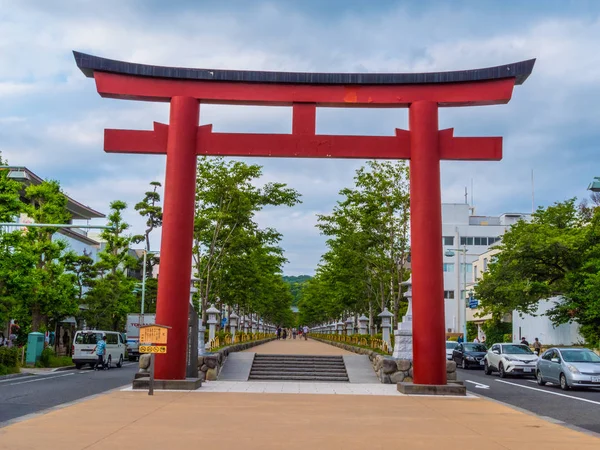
(368, 243)
(111, 296)
(557, 254)
(151, 210)
(225, 231)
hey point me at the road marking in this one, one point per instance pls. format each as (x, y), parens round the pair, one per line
(478, 385)
(552, 393)
(12, 379)
(40, 379)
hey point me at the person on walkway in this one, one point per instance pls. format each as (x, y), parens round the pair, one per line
(294, 333)
(537, 346)
(476, 340)
(460, 339)
(305, 332)
(284, 334)
(278, 333)
(524, 341)
(100, 350)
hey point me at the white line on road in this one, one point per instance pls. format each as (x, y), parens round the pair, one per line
(552, 393)
(40, 379)
(478, 385)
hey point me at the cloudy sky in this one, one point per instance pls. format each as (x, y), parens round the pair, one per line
(52, 119)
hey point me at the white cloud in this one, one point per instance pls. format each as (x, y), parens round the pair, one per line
(52, 120)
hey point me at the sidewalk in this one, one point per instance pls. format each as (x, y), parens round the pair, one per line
(297, 347)
(205, 419)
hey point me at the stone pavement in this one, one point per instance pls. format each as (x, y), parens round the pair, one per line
(297, 347)
(204, 419)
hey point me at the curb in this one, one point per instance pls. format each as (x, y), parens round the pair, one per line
(14, 375)
(62, 369)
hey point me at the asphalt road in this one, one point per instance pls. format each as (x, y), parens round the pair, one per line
(580, 408)
(34, 393)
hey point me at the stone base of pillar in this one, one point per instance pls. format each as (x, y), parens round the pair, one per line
(403, 344)
(189, 384)
(431, 389)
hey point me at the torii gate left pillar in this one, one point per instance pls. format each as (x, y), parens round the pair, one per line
(424, 144)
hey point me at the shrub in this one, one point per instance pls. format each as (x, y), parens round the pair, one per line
(47, 355)
(508, 337)
(9, 357)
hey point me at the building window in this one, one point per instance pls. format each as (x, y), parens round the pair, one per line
(466, 267)
(485, 263)
(462, 294)
(448, 294)
(475, 273)
(466, 240)
(447, 240)
(448, 267)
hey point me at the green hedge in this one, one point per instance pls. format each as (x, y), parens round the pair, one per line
(9, 357)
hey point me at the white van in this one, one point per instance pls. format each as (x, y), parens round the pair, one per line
(84, 343)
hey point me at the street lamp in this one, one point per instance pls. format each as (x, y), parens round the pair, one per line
(595, 185)
(450, 253)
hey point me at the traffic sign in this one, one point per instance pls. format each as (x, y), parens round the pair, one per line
(153, 334)
(473, 303)
(153, 349)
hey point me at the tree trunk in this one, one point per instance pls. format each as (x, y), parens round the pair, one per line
(36, 318)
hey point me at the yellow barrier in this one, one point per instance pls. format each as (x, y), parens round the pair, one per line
(363, 341)
(228, 339)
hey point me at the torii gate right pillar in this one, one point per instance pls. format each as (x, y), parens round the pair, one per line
(426, 245)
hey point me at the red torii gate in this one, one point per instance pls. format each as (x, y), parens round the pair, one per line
(425, 145)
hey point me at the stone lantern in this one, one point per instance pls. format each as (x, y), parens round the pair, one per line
(212, 322)
(386, 325)
(233, 323)
(245, 323)
(340, 327)
(349, 326)
(363, 322)
(403, 341)
(254, 323)
(332, 326)
(261, 326)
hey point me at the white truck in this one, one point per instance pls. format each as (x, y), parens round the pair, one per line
(134, 321)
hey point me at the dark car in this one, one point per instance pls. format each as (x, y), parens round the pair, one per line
(469, 355)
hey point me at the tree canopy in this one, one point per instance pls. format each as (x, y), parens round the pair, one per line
(557, 254)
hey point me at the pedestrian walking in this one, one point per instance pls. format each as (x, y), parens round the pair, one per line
(284, 334)
(524, 341)
(537, 346)
(476, 340)
(294, 333)
(305, 332)
(278, 333)
(100, 350)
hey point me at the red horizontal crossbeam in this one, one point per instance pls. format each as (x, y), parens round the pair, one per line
(301, 145)
(368, 96)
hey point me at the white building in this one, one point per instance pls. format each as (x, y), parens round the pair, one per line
(464, 237)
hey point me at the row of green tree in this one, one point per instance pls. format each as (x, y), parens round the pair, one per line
(238, 265)
(554, 256)
(368, 249)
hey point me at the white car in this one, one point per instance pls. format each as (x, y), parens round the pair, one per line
(450, 346)
(510, 359)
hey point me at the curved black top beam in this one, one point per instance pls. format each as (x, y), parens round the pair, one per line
(89, 63)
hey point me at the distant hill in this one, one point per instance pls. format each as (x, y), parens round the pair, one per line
(296, 286)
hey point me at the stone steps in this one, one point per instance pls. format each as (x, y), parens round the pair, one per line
(298, 368)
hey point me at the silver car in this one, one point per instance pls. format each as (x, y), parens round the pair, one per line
(569, 367)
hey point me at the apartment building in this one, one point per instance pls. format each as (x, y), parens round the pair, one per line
(465, 236)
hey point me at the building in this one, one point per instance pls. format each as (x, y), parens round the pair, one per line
(77, 239)
(465, 236)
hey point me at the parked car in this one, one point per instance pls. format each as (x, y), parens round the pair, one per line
(450, 346)
(469, 354)
(569, 367)
(510, 359)
(84, 343)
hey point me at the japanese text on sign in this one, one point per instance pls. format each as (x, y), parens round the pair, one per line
(153, 335)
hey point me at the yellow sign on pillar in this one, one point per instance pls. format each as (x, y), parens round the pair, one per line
(153, 349)
(153, 334)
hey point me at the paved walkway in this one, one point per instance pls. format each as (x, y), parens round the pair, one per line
(297, 347)
(191, 420)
